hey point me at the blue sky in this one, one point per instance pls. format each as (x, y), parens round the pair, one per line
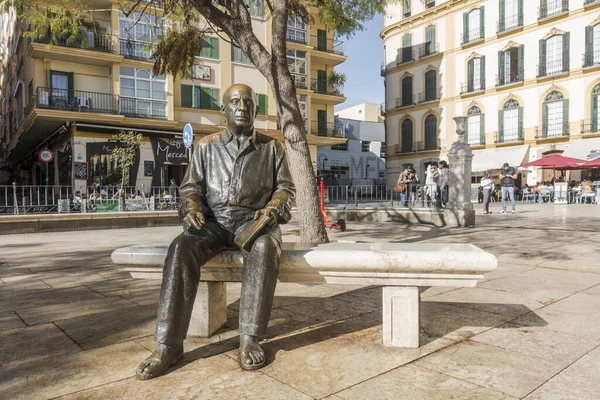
(365, 54)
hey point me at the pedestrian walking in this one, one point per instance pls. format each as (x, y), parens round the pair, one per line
(444, 180)
(508, 175)
(487, 186)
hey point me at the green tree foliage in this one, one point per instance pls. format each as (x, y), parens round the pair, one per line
(128, 144)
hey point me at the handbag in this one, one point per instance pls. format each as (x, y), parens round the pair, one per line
(400, 187)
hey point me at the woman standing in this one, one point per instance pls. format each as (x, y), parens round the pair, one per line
(444, 178)
(487, 185)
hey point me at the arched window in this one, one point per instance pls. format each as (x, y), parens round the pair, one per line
(430, 43)
(407, 53)
(475, 127)
(431, 132)
(473, 25)
(407, 91)
(510, 122)
(407, 136)
(592, 45)
(555, 115)
(476, 74)
(595, 111)
(554, 55)
(431, 85)
(511, 14)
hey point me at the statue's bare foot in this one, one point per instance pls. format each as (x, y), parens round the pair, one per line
(163, 357)
(252, 356)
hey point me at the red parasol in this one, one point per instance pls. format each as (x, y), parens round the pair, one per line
(556, 161)
(593, 163)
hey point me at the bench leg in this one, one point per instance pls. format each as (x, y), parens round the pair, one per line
(210, 309)
(401, 316)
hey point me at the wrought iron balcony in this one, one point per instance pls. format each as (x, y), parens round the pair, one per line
(507, 79)
(404, 148)
(592, 58)
(324, 128)
(300, 81)
(552, 130)
(553, 68)
(510, 22)
(136, 50)
(296, 36)
(472, 87)
(321, 86)
(427, 49)
(430, 95)
(382, 109)
(327, 44)
(509, 135)
(142, 108)
(428, 145)
(475, 140)
(589, 126)
(587, 2)
(405, 54)
(75, 100)
(472, 36)
(86, 39)
(552, 8)
(430, 4)
(406, 101)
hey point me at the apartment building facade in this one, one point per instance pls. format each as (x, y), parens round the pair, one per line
(526, 74)
(71, 97)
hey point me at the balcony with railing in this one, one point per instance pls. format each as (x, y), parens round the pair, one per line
(433, 94)
(552, 8)
(472, 87)
(477, 139)
(327, 45)
(75, 100)
(425, 145)
(552, 68)
(589, 125)
(591, 58)
(301, 81)
(136, 50)
(296, 36)
(321, 86)
(324, 128)
(406, 101)
(472, 36)
(427, 49)
(86, 39)
(507, 79)
(382, 109)
(509, 23)
(382, 69)
(547, 131)
(404, 148)
(142, 108)
(509, 135)
(405, 54)
(590, 2)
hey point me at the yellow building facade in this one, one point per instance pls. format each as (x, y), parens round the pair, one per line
(72, 97)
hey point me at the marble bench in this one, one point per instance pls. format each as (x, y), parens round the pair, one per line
(400, 268)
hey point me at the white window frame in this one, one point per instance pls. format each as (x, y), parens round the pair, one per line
(143, 102)
(554, 54)
(298, 67)
(511, 14)
(553, 7)
(474, 22)
(296, 30)
(596, 48)
(555, 118)
(477, 74)
(511, 125)
(474, 123)
(303, 105)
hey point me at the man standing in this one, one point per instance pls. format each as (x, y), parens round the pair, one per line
(173, 189)
(235, 176)
(508, 176)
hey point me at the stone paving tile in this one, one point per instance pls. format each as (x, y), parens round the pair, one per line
(595, 291)
(506, 371)
(505, 269)
(331, 308)
(76, 309)
(215, 378)
(434, 291)
(19, 286)
(69, 373)
(10, 320)
(91, 331)
(543, 284)
(45, 297)
(577, 382)
(59, 280)
(417, 383)
(538, 341)
(22, 345)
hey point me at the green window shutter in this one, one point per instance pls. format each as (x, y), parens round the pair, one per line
(482, 22)
(482, 71)
(205, 98)
(565, 116)
(589, 46)
(215, 53)
(520, 123)
(520, 12)
(566, 51)
(500, 68)
(482, 128)
(543, 8)
(321, 81)
(210, 47)
(500, 126)
(470, 73)
(214, 99)
(430, 40)
(521, 62)
(262, 104)
(502, 16)
(186, 95)
(545, 120)
(465, 28)
(542, 67)
(321, 40)
(594, 113)
(70, 85)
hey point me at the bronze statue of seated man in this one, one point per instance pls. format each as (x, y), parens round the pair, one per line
(235, 177)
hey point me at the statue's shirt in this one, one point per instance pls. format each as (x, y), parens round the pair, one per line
(230, 184)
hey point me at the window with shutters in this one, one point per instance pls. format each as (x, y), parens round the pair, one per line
(510, 66)
(238, 56)
(511, 15)
(407, 91)
(548, 8)
(407, 136)
(296, 30)
(431, 133)
(473, 25)
(365, 146)
(210, 48)
(475, 75)
(142, 93)
(430, 46)
(296, 61)
(431, 92)
(263, 105)
(406, 8)
(555, 115)
(406, 54)
(475, 127)
(592, 45)
(595, 114)
(202, 97)
(510, 122)
(430, 3)
(554, 54)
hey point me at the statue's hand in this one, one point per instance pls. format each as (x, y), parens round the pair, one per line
(268, 211)
(193, 221)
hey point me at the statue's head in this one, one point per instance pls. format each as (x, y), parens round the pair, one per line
(240, 108)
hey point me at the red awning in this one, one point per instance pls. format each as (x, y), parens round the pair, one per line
(556, 161)
(593, 163)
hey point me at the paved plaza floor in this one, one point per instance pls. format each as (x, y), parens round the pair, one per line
(74, 326)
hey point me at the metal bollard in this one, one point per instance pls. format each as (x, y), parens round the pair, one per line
(15, 202)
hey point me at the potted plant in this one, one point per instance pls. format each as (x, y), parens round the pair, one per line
(337, 80)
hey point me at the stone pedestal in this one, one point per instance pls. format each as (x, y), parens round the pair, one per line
(210, 309)
(460, 158)
(401, 320)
